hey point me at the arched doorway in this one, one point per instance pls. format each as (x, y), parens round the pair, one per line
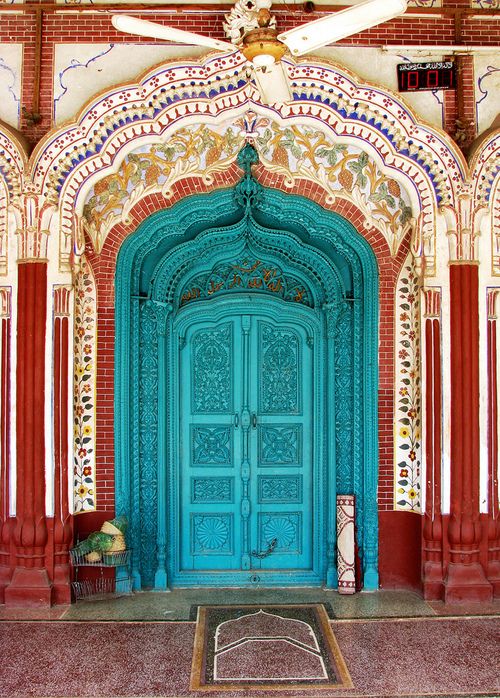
(245, 390)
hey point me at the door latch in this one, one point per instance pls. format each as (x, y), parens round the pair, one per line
(268, 551)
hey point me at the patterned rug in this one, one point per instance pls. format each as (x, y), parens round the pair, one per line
(266, 648)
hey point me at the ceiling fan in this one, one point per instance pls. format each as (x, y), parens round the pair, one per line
(252, 30)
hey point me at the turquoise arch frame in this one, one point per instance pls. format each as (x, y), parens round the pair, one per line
(145, 295)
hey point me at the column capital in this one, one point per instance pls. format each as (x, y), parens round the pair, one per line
(493, 294)
(462, 229)
(432, 302)
(33, 215)
(62, 296)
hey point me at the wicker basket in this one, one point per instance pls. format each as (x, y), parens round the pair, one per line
(93, 557)
(118, 544)
(108, 527)
(116, 559)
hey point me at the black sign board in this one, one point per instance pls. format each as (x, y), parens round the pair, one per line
(413, 77)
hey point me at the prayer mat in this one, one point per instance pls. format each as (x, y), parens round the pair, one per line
(268, 647)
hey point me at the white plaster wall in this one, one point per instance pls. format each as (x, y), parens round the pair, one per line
(487, 88)
(380, 67)
(11, 60)
(82, 71)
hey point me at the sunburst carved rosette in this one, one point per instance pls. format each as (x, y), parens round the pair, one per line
(85, 347)
(407, 441)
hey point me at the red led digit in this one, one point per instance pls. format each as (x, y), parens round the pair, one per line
(432, 78)
(412, 79)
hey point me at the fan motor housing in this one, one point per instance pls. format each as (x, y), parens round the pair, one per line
(263, 41)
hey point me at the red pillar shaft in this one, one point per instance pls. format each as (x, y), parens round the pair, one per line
(433, 526)
(493, 511)
(465, 580)
(63, 532)
(30, 584)
(5, 522)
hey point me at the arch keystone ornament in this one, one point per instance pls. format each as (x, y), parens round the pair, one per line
(268, 322)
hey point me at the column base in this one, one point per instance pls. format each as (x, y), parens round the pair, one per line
(433, 585)
(494, 577)
(62, 584)
(5, 577)
(467, 583)
(30, 588)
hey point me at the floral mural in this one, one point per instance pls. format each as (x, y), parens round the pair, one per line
(407, 441)
(190, 151)
(84, 390)
(293, 152)
(340, 169)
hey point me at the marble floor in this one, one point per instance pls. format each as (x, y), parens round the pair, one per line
(179, 604)
(394, 645)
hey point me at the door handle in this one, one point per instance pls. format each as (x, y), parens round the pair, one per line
(271, 546)
(254, 420)
(236, 420)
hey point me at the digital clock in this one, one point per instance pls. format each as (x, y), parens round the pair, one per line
(413, 77)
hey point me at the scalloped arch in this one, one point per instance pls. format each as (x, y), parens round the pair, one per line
(13, 161)
(326, 97)
(485, 168)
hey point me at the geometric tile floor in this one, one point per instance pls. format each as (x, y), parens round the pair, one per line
(393, 644)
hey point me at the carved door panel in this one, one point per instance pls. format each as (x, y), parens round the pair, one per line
(246, 450)
(282, 458)
(209, 457)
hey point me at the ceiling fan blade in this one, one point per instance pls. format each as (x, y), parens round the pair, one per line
(338, 25)
(141, 27)
(273, 84)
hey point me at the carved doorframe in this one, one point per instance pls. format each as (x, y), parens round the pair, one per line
(152, 268)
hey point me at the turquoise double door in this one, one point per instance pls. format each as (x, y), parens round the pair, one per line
(248, 504)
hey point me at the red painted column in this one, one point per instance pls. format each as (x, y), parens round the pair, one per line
(433, 523)
(465, 579)
(5, 521)
(30, 584)
(63, 521)
(493, 572)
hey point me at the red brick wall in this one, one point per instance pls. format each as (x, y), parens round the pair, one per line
(104, 267)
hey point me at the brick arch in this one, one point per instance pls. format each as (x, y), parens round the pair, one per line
(104, 266)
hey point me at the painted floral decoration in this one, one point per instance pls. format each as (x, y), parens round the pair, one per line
(84, 402)
(407, 445)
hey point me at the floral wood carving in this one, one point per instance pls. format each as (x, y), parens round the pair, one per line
(85, 352)
(407, 442)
